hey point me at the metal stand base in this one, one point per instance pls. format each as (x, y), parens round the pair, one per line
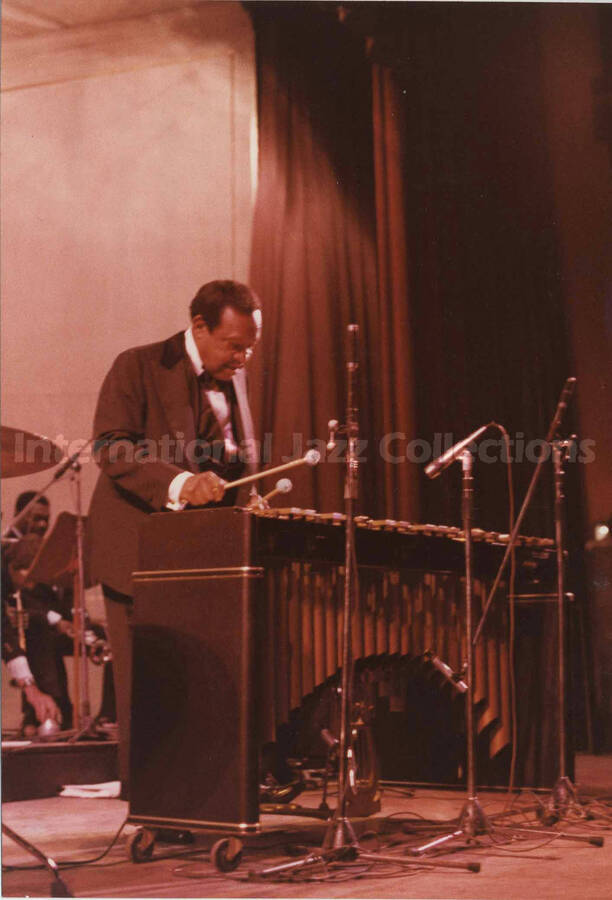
(566, 796)
(58, 886)
(563, 803)
(472, 822)
(341, 844)
(352, 853)
(88, 730)
(563, 800)
(595, 840)
(340, 835)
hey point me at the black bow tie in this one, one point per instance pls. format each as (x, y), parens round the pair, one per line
(209, 383)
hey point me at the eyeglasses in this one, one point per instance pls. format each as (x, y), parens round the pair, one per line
(237, 350)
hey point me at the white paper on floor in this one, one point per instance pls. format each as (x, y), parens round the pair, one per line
(104, 790)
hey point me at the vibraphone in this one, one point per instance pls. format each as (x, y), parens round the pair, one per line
(238, 617)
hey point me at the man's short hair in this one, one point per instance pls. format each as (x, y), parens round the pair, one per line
(213, 297)
(24, 498)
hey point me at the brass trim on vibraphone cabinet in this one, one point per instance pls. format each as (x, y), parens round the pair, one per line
(174, 822)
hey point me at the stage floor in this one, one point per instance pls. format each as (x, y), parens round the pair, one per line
(75, 829)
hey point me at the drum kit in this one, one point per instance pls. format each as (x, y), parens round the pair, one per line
(18, 457)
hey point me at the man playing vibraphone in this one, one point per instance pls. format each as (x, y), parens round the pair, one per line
(172, 426)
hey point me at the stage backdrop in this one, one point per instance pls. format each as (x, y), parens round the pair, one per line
(129, 153)
(438, 174)
(416, 178)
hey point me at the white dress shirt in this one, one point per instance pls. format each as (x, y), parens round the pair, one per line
(222, 411)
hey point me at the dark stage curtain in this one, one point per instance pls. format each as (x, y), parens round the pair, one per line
(397, 397)
(486, 291)
(413, 197)
(314, 256)
(485, 287)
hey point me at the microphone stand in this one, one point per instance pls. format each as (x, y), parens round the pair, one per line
(564, 797)
(340, 832)
(59, 887)
(83, 720)
(340, 842)
(563, 793)
(472, 819)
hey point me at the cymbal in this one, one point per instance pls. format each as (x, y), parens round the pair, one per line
(25, 453)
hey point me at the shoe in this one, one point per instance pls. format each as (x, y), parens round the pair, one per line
(272, 792)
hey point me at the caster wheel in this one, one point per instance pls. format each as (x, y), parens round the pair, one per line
(226, 854)
(141, 845)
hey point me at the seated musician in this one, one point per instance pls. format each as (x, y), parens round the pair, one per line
(171, 427)
(46, 623)
(19, 670)
(45, 616)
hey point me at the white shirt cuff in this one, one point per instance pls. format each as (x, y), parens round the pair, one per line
(18, 668)
(174, 491)
(53, 617)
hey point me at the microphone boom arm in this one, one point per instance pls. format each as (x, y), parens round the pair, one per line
(438, 465)
(566, 394)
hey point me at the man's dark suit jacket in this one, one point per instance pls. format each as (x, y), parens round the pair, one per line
(10, 637)
(145, 403)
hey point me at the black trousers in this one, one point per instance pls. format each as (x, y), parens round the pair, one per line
(45, 653)
(118, 622)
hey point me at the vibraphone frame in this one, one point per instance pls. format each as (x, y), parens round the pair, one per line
(237, 618)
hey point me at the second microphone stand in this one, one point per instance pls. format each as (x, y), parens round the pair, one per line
(340, 843)
(472, 819)
(563, 799)
(340, 832)
(84, 723)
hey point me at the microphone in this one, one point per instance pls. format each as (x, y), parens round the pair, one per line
(566, 393)
(331, 741)
(568, 390)
(444, 669)
(438, 465)
(282, 486)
